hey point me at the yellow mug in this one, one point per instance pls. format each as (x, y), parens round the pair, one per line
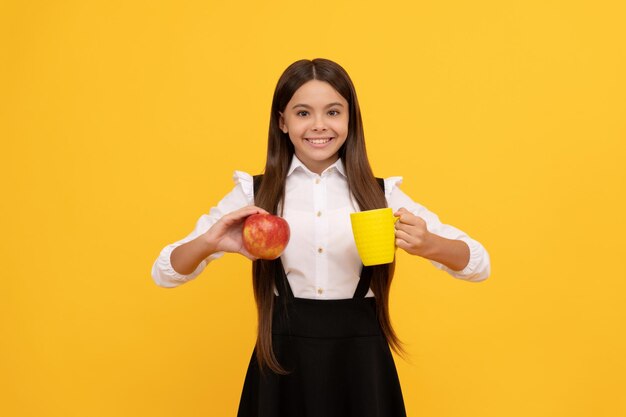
(375, 235)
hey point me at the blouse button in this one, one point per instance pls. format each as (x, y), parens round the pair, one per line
(320, 250)
(320, 291)
(318, 214)
(317, 180)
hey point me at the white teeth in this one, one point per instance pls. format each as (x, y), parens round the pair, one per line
(319, 141)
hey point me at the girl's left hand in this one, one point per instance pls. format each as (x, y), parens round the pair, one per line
(411, 233)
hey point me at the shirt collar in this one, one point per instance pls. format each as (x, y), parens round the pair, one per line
(296, 163)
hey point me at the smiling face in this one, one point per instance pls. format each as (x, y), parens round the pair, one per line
(316, 119)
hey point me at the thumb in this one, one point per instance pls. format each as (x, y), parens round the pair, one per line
(247, 254)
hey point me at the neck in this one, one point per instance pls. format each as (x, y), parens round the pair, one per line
(318, 166)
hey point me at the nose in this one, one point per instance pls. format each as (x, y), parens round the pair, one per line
(318, 125)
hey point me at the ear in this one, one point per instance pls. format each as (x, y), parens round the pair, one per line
(281, 123)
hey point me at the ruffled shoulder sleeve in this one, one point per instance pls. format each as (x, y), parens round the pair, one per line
(245, 180)
(390, 184)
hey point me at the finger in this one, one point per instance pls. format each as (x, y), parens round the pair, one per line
(414, 234)
(409, 239)
(248, 210)
(404, 215)
(247, 254)
(402, 244)
(260, 210)
(400, 211)
(410, 228)
(244, 212)
(402, 225)
(411, 219)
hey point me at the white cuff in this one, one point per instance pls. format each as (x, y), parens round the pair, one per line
(164, 274)
(478, 267)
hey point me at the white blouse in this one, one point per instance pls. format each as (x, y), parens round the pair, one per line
(321, 259)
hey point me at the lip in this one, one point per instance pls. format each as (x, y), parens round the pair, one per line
(319, 145)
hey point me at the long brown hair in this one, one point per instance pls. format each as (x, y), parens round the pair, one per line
(361, 183)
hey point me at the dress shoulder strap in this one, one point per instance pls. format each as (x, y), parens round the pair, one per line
(274, 267)
(381, 182)
(256, 182)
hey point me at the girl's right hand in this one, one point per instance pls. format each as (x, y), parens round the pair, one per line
(225, 235)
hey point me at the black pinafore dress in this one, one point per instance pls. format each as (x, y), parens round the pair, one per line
(339, 361)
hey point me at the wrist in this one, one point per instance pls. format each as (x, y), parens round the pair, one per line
(209, 244)
(431, 246)
(450, 252)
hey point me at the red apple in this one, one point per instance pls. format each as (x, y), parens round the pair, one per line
(265, 236)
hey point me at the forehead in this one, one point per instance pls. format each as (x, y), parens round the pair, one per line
(317, 92)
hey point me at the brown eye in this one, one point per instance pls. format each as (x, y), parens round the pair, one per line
(334, 111)
(303, 111)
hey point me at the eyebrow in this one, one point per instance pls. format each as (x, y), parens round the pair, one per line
(309, 107)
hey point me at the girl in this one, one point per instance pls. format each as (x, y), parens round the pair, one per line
(324, 333)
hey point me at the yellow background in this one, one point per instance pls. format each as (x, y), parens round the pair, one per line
(123, 121)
